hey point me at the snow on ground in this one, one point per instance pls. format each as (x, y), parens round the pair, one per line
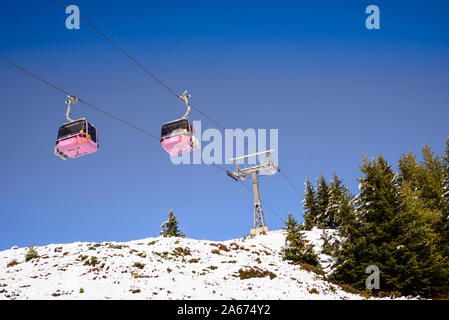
(314, 237)
(163, 268)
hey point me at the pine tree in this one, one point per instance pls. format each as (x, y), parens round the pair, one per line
(426, 182)
(444, 230)
(291, 226)
(445, 182)
(310, 206)
(297, 249)
(170, 227)
(338, 207)
(432, 179)
(345, 218)
(394, 232)
(322, 201)
(426, 177)
(445, 160)
(427, 273)
(410, 172)
(373, 240)
(327, 206)
(331, 244)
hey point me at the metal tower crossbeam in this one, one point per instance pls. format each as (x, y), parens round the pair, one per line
(266, 168)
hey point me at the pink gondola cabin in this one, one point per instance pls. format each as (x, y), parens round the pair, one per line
(75, 139)
(178, 137)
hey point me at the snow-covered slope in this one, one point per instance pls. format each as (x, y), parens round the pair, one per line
(163, 268)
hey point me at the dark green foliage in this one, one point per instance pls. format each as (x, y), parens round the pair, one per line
(310, 207)
(301, 251)
(426, 183)
(297, 248)
(31, 254)
(328, 206)
(170, 227)
(330, 244)
(322, 202)
(335, 195)
(398, 222)
(291, 225)
(429, 179)
(444, 242)
(339, 210)
(445, 161)
(395, 228)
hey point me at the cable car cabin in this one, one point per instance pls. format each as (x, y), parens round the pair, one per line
(76, 139)
(178, 136)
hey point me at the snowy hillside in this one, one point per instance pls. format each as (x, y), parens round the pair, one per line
(163, 268)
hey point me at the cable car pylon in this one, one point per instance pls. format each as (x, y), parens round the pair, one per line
(266, 168)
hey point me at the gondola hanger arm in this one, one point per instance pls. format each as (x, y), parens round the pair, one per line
(69, 102)
(184, 97)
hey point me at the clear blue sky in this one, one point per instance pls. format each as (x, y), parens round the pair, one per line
(311, 69)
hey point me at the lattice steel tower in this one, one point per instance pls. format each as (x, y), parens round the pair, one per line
(265, 168)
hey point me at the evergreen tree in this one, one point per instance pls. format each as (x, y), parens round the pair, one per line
(445, 183)
(445, 160)
(410, 172)
(329, 205)
(291, 226)
(444, 230)
(426, 177)
(170, 227)
(330, 244)
(372, 241)
(310, 206)
(345, 217)
(445, 164)
(297, 249)
(392, 231)
(427, 273)
(432, 179)
(425, 183)
(338, 207)
(322, 201)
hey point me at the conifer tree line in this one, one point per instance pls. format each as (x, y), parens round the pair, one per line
(399, 222)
